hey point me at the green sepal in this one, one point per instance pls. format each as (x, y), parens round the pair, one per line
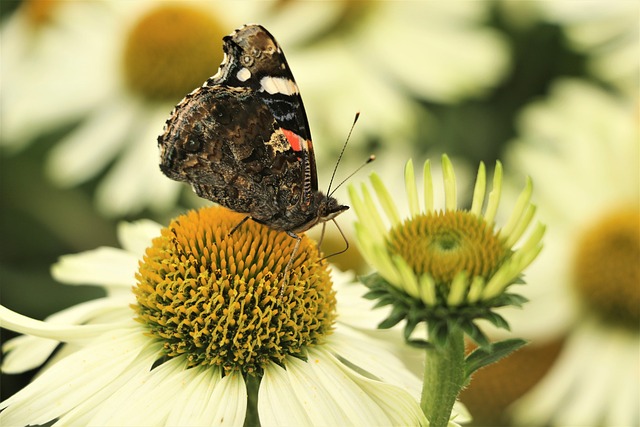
(397, 315)
(496, 320)
(438, 333)
(476, 335)
(481, 357)
(508, 299)
(421, 344)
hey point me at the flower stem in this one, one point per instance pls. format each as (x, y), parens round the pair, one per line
(443, 379)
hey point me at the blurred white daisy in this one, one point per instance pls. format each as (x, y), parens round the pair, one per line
(581, 148)
(385, 55)
(118, 68)
(121, 66)
(204, 338)
(607, 31)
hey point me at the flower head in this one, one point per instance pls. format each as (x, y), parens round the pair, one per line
(580, 145)
(212, 341)
(445, 265)
(214, 297)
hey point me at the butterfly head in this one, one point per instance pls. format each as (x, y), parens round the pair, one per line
(324, 208)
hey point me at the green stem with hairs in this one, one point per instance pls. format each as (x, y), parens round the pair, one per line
(443, 379)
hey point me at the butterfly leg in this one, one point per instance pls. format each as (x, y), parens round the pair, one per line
(233, 230)
(290, 262)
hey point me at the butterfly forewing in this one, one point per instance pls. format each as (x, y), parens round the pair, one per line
(243, 140)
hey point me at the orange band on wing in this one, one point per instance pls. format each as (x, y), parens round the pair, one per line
(294, 139)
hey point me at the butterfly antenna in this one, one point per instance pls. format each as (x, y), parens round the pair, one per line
(369, 160)
(335, 169)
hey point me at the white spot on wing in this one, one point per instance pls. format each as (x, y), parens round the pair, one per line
(280, 85)
(243, 74)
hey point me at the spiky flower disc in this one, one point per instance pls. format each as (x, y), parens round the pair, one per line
(216, 298)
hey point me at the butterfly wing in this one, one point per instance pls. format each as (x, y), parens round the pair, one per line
(254, 59)
(227, 144)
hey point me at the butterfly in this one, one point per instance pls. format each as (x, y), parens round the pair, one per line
(242, 140)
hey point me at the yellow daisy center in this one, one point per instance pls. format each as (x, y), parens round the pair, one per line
(607, 267)
(172, 50)
(215, 298)
(39, 12)
(443, 244)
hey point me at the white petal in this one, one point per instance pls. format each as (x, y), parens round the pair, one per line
(25, 353)
(25, 325)
(277, 402)
(434, 60)
(53, 76)
(103, 266)
(135, 237)
(28, 352)
(228, 404)
(316, 399)
(73, 379)
(87, 411)
(369, 355)
(135, 181)
(365, 401)
(210, 400)
(148, 399)
(353, 309)
(332, 394)
(583, 383)
(93, 145)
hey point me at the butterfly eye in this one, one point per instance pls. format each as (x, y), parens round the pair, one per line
(247, 60)
(193, 145)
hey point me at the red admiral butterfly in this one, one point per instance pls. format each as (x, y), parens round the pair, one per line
(242, 140)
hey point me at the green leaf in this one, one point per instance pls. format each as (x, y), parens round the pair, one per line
(481, 357)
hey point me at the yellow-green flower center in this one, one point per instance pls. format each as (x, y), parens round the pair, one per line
(443, 244)
(172, 50)
(607, 267)
(216, 298)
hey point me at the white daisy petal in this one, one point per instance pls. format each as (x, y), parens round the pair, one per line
(147, 401)
(355, 310)
(278, 403)
(136, 237)
(364, 401)
(73, 160)
(28, 352)
(96, 267)
(196, 395)
(67, 383)
(358, 349)
(318, 402)
(90, 411)
(232, 393)
(25, 325)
